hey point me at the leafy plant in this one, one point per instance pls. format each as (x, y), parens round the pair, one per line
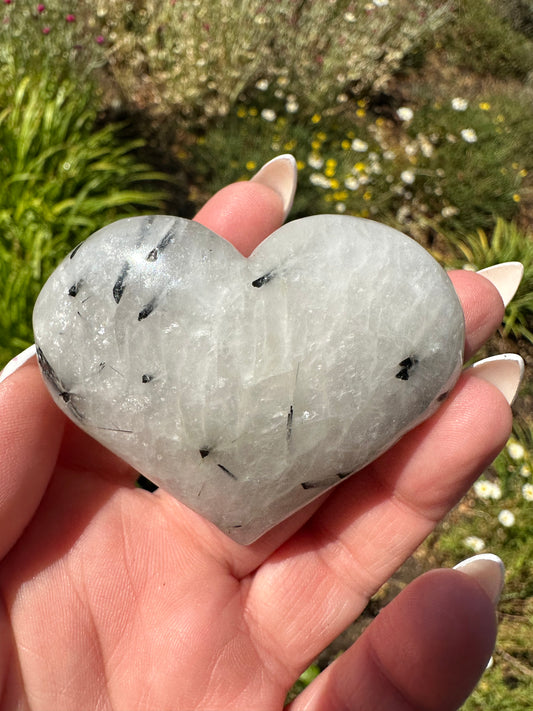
(506, 244)
(60, 180)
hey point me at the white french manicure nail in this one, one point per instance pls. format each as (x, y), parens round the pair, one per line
(488, 569)
(504, 371)
(281, 175)
(506, 277)
(18, 361)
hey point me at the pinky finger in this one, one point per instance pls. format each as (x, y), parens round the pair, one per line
(426, 650)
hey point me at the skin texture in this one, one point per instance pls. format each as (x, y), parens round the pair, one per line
(115, 598)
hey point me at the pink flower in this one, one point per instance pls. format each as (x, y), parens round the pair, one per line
(70, 18)
(100, 39)
(46, 30)
(41, 8)
(7, 2)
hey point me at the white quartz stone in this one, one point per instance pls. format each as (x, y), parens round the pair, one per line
(247, 387)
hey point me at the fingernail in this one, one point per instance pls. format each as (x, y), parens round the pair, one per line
(281, 175)
(505, 277)
(16, 362)
(504, 371)
(488, 570)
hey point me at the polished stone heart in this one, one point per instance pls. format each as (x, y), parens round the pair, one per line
(247, 387)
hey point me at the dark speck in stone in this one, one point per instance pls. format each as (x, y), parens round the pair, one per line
(73, 291)
(406, 365)
(75, 250)
(119, 286)
(164, 242)
(204, 453)
(227, 471)
(146, 310)
(289, 422)
(262, 280)
(147, 378)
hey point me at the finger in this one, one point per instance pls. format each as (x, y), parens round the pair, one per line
(482, 306)
(31, 427)
(245, 213)
(426, 649)
(322, 578)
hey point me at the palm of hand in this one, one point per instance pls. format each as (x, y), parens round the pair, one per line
(121, 599)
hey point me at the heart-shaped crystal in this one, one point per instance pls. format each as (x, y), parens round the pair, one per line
(247, 387)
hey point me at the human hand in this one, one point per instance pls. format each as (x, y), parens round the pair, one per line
(115, 598)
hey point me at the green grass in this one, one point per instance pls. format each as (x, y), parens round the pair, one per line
(61, 178)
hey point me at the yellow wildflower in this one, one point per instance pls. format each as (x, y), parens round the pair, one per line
(484, 105)
(316, 118)
(241, 112)
(367, 196)
(315, 145)
(359, 167)
(334, 183)
(361, 113)
(329, 172)
(345, 145)
(251, 165)
(516, 197)
(253, 111)
(321, 135)
(300, 164)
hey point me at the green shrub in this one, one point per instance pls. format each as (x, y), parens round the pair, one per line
(506, 244)
(60, 180)
(198, 57)
(447, 165)
(48, 38)
(480, 39)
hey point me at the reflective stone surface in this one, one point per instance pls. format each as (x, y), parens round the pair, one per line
(247, 387)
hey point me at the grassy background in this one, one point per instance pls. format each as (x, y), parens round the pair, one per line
(412, 112)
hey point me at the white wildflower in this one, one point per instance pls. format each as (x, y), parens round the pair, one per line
(449, 211)
(496, 493)
(349, 17)
(506, 518)
(425, 146)
(340, 207)
(279, 94)
(282, 81)
(380, 3)
(291, 107)
(515, 450)
(315, 161)
(389, 155)
(319, 180)
(474, 543)
(342, 98)
(469, 135)
(262, 84)
(525, 471)
(527, 492)
(407, 177)
(359, 145)
(459, 104)
(483, 489)
(404, 113)
(411, 149)
(268, 114)
(351, 183)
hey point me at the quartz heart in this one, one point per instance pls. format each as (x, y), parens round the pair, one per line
(247, 387)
